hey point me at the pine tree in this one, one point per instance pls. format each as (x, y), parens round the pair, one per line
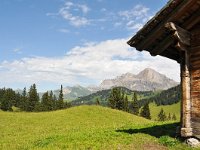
(111, 100)
(174, 117)
(97, 101)
(169, 117)
(18, 100)
(60, 103)
(126, 104)
(135, 105)
(45, 101)
(51, 101)
(145, 111)
(54, 102)
(115, 100)
(33, 98)
(119, 99)
(6, 103)
(24, 102)
(162, 116)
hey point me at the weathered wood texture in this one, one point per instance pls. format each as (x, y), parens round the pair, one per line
(195, 81)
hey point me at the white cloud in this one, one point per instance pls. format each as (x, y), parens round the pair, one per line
(136, 17)
(64, 30)
(17, 50)
(85, 9)
(90, 62)
(68, 13)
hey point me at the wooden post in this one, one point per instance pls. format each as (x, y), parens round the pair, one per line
(186, 129)
(183, 45)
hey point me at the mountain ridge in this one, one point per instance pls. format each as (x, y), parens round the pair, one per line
(146, 80)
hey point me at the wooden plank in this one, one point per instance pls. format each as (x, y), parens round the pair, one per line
(195, 51)
(181, 46)
(195, 93)
(162, 46)
(195, 58)
(195, 114)
(192, 21)
(195, 110)
(196, 125)
(195, 119)
(159, 30)
(195, 73)
(195, 41)
(185, 8)
(195, 63)
(180, 34)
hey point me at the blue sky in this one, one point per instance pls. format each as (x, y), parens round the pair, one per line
(53, 42)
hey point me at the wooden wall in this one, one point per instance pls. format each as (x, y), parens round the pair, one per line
(195, 81)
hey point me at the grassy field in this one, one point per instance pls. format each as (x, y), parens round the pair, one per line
(85, 127)
(172, 109)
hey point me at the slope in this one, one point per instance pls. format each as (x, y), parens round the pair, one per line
(165, 97)
(83, 127)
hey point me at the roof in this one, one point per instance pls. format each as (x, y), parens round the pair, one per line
(154, 37)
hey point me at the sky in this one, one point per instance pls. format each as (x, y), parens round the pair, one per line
(74, 42)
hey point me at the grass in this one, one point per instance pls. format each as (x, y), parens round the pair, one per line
(84, 127)
(172, 109)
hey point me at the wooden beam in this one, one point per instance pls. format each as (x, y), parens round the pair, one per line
(156, 32)
(193, 20)
(162, 46)
(186, 129)
(182, 35)
(180, 46)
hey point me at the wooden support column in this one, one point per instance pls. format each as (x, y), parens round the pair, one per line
(183, 45)
(186, 129)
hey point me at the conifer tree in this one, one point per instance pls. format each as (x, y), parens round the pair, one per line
(145, 111)
(24, 103)
(33, 98)
(135, 105)
(60, 103)
(111, 100)
(115, 100)
(126, 104)
(162, 116)
(54, 102)
(6, 103)
(97, 101)
(17, 100)
(51, 101)
(169, 117)
(174, 117)
(45, 101)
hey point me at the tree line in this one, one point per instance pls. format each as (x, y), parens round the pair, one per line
(30, 101)
(166, 97)
(119, 100)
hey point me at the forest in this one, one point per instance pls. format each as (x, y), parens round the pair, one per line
(30, 101)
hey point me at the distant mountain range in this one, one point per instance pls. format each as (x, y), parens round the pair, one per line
(146, 80)
(71, 93)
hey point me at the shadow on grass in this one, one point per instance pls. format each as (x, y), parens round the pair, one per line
(156, 131)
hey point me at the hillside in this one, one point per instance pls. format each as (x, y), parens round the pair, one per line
(84, 127)
(72, 93)
(146, 80)
(165, 97)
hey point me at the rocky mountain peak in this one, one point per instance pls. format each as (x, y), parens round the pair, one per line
(149, 74)
(148, 79)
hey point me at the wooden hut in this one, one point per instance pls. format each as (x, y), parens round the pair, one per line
(174, 33)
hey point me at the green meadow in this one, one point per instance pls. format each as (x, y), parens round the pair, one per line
(85, 127)
(172, 109)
